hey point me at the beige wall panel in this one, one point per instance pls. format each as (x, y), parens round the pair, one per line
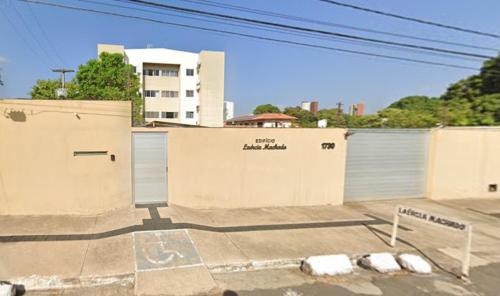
(38, 172)
(163, 104)
(162, 83)
(110, 48)
(463, 162)
(212, 88)
(208, 168)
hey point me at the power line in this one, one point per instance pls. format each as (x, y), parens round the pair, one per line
(47, 39)
(27, 27)
(412, 19)
(19, 33)
(289, 42)
(331, 24)
(329, 33)
(277, 30)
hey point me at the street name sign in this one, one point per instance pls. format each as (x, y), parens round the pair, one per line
(438, 220)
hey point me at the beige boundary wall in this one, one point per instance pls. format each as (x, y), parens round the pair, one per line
(208, 167)
(463, 162)
(39, 173)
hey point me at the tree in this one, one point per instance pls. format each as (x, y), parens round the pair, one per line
(490, 75)
(366, 121)
(304, 117)
(334, 117)
(400, 118)
(46, 89)
(417, 103)
(1, 81)
(107, 78)
(110, 78)
(467, 88)
(485, 110)
(267, 108)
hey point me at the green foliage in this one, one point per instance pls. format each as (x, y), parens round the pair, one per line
(110, 78)
(467, 88)
(304, 117)
(417, 103)
(472, 101)
(486, 110)
(490, 75)
(401, 118)
(367, 121)
(46, 89)
(107, 78)
(267, 108)
(334, 117)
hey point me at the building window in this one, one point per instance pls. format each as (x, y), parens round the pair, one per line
(169, 114)
(151, 72)
(189, 72)
(151, 93)
(169, 94)
(170, 73)
(152, 114)
(158, 72)
(189, 93)
(189, 114)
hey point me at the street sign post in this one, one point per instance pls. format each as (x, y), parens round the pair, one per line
(435, 219)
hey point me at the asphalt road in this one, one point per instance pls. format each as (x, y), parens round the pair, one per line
(484, 280)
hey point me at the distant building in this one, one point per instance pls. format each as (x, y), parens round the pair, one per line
(322, 123)
(312, 107)
(228, 110)
(178, 86)
(261, 120)
(357, 109)
(306, 106)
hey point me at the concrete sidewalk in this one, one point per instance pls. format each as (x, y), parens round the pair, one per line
(180, 250)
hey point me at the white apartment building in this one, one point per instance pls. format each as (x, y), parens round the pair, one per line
(178, 86)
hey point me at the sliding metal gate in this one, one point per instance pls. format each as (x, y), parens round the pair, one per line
(386, 164)
(149, 167)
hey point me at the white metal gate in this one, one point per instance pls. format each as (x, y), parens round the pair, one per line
(149, 167)
(386, 164)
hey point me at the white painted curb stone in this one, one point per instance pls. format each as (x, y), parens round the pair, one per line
(327, 265)
(414, 263)
(7, 289)
(381, 262)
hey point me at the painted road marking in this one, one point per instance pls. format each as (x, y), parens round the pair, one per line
(164, 249)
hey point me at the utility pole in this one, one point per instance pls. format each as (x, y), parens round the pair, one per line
(340, 120)
(62, 92)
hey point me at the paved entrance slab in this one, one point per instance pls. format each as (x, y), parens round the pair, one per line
(164, 249)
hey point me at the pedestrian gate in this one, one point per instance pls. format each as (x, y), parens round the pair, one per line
(386, 164)
(149, 167)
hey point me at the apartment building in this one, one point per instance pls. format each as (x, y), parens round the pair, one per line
(178, 86)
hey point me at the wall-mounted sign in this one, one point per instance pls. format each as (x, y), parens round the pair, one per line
(264, 144)
(436, 219)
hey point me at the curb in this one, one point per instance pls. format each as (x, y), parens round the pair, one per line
(37, 283)
(256, 265)
(274, 264)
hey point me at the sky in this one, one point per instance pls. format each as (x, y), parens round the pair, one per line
(35, 39)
